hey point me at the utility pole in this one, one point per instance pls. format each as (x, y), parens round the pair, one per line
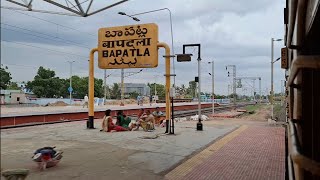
(122, 87)
(155, 89)
(70, 85)
(104, 85)
(254, 89)
(212, 62)
(282, 91)
(253, 85)
(260, 89)
(234, 87)
(133, 16)
(271, 91)
(155, 84)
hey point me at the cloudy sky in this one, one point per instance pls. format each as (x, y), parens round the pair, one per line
(231, 32)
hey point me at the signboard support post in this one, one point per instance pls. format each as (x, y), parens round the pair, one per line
(167, 94)
(90, 123)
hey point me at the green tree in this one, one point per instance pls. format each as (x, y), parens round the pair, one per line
(191, 90)
(233, 96)
(80, 87)
(182, 91)
(63, 89)
(45, 84)
(5, 78)
(115, 91)
(159, 88)
(133, 95)
(14, 86)
(98, 87)
(217, 96)
(108, 91)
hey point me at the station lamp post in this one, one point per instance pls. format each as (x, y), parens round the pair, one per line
(272, 62)
(272, 92)
(187, 57)
(133, 16)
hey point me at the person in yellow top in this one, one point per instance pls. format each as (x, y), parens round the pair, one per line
(150, 120)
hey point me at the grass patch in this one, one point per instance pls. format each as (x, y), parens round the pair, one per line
(251, 109)
(277, 108)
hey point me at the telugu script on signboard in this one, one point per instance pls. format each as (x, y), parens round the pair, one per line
(128, 47)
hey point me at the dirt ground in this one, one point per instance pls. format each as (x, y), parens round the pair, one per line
(261, 115)
(260, 118)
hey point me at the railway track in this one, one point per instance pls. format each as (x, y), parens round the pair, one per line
(180, 114)
(35, 120)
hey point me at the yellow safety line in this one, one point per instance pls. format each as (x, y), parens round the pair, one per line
(183, 169)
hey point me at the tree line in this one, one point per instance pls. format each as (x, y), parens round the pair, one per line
(46, 84)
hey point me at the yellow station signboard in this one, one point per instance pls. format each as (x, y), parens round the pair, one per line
(132, 46)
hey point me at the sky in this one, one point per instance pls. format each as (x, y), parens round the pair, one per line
(231, 32)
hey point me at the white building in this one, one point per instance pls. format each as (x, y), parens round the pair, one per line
(141, 89)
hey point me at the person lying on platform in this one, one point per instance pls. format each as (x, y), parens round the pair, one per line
(159, 116)
(108, 125)
(123, 120)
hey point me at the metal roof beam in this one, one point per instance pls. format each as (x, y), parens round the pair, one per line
(63, 7)
(120, 2)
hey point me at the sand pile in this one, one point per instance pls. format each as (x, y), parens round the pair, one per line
(58, 103)
(126, 101)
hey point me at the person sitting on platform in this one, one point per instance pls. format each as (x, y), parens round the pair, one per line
(108, 125)
(150, 120)
(146, 121)
(159, 116)
(122, 120)
(141, 117)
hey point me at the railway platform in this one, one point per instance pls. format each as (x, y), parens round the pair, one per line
(251, 152)
(91, 154)
(227, 148)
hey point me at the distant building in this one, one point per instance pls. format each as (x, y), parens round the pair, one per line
(12, 97)
(140, 88)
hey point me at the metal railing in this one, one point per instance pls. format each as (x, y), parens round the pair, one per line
(310, 62)
(299, 160)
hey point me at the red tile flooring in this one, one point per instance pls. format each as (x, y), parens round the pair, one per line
(256, 153)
